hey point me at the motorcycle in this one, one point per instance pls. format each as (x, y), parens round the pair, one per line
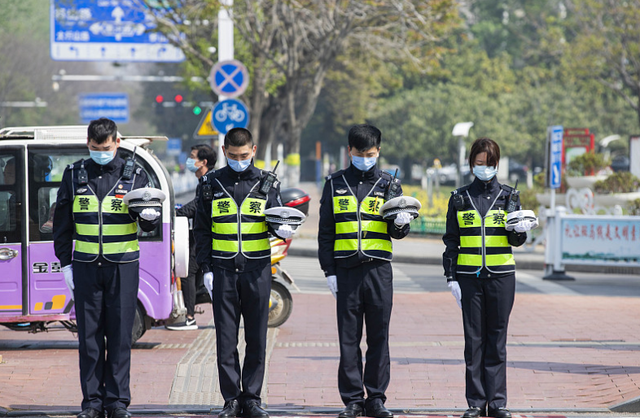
(280, 301)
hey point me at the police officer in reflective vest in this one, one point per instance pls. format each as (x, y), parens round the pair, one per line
(232, 248)
(355, 251)
(480, 271)
(102, 270)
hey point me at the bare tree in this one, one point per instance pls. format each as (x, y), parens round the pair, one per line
(293, 43)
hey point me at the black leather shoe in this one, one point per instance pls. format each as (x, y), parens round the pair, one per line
(351, 411)
(500, 413)
(231, 409)
(473, 412)
(376, 409)
(120, 413)
(252, 409)
(90, 413)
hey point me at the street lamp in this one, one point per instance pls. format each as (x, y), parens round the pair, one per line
(461, 130)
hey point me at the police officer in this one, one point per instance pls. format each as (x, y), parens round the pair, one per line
(201, 159)
(480, 271)
(102, 270)
(355, 250)
(233, 250)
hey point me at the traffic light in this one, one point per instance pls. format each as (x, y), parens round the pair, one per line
(197, 110)
(178, 99)
(159, 104)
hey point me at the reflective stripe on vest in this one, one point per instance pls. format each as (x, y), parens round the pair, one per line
(359, 228)
(104, 228)
(235, 232)
(483, 242)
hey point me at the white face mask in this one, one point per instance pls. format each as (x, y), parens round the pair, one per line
(484, 173)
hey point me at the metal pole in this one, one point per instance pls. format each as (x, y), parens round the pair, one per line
(225, 53)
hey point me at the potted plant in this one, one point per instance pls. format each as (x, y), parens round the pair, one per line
(586, 169)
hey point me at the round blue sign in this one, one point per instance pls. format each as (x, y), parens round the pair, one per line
(229, 78)
(229, 114)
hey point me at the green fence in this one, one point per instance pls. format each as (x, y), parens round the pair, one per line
(425, 225)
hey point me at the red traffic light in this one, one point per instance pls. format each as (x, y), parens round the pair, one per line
(159, 98)
(178, 98)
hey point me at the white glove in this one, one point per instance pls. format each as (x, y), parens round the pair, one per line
(149, 214)
(456, 292)
(525, 225)
(208, 283)
(332, 283)
(402, 219)
(284, 231)
(68, 278)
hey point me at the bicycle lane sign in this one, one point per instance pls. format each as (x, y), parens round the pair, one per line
(229, 114)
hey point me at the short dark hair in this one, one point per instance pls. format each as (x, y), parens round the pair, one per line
(487, 145)
(100, 130)
(238, 137)
(205, 152)
(363, 137)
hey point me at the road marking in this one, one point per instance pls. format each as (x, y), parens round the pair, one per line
(543, 286)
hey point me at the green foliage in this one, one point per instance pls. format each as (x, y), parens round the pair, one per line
(634, 207)
(587, 164)
(620, 182)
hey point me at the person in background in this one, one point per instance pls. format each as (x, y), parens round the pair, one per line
(480, 271)
(201, 160)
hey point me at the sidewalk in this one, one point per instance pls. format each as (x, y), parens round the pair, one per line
(566, 355)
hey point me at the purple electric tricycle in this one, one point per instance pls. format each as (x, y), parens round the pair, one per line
(33, 293)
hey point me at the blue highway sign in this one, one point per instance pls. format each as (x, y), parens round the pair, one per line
(555, 157)
(229, 114)
(89, 30)
(229, 78)
(114, 106)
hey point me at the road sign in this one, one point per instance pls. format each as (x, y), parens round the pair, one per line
(229, 78)
(555, 156)
(229, 114)
(114, 106)
(88, 30)
(205, 128)
(174, 146)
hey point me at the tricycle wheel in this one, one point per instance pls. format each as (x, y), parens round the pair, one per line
(139, 327)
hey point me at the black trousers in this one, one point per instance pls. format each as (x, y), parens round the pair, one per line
(189, 283)
(106, 295)
(246, 294)
(365, 294)
(486, 306)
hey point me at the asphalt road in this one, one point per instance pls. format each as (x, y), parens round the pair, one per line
(413, 278)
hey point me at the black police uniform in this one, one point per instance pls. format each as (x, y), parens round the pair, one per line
(105, 292)
(241, 285)
(365, 292)
(487, 296)
(194, 278)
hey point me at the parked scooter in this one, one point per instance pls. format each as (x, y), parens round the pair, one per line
(280, 302)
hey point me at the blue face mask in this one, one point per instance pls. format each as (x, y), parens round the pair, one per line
(484, 173)
(102, 157)
(239, 166)
(191, 165)
(363, 163)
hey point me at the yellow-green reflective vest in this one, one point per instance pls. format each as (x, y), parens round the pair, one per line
(483, 242)
(243, 231)
(359, 227)
(104, 227)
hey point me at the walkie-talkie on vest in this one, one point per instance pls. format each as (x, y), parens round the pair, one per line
(514, 198)
(394, 188)
(129, 165)
(269, 180)
(83, 177)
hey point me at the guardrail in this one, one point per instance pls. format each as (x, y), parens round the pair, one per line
(425, 225)
(183, 182)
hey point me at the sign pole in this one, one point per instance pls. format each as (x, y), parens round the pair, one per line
(225, 53)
